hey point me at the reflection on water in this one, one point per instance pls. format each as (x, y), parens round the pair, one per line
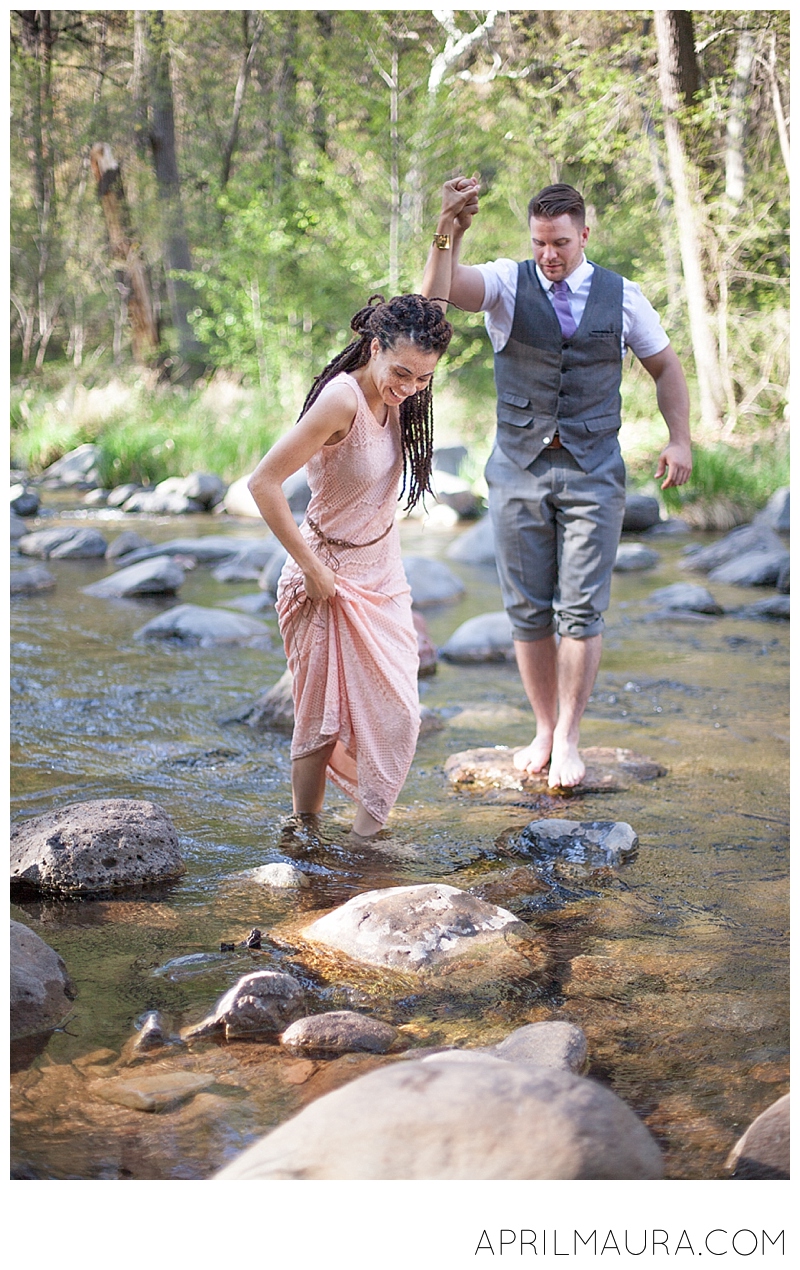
(675, 965)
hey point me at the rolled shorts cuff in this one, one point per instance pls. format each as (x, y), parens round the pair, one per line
(579, 630)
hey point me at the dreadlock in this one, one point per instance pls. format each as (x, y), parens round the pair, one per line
(422, 322)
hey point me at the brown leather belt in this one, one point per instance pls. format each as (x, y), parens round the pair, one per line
(555, 444)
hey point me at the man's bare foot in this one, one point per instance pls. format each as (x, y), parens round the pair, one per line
(532, 758)
(567, 768)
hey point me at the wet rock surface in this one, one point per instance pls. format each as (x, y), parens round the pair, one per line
(160, 575)
(481, 639)
(589, 845)
(607, 770)
(279, 875)
(32, 581)
(685, 595)
(338, 1032)
(81, 544)
(40, 989)
(431, 582)
(96, 846)
(194, 624)
(263, 1003)
(484, 1118)
(745, 540)
(633, 556)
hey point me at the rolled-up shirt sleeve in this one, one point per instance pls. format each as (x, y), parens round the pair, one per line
(643, 333)
(499, 298)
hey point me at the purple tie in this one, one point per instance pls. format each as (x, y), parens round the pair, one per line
(563, 312)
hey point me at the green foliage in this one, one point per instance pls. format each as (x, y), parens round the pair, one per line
(723, 474)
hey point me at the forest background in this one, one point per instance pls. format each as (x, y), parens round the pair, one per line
(202, 198)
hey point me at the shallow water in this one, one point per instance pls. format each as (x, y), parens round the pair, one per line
(675, 966)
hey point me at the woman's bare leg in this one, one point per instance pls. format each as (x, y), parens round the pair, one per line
(365, 825)
(308, 780)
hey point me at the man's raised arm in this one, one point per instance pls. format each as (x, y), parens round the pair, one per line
(444, 277)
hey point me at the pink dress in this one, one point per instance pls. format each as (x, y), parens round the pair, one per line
(354, 659)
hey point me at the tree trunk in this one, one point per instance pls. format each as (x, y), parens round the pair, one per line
(670, 29)
(177, 258)
(238, 97)
(37, 43)
(286, 105)
(737, 118)
(130, 268)
(777, 106)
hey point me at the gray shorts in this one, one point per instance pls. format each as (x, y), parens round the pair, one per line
(556, 531)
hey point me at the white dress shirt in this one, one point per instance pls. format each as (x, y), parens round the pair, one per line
(642, 331)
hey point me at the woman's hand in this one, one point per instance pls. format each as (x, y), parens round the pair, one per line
(320, 582)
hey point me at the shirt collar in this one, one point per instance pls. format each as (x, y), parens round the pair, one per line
(579, 274)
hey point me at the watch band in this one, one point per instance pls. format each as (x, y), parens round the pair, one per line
(442, 241)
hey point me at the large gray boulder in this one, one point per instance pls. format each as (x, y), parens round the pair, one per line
(270, 574)
(633, 556)
(475, 545)
(68, 541)
(249, 557)
(275, 709)
(160, 502)
(641, 512)
(160, 575)
(105, 844)
(263, 1003)
(484, 1119)
(18, 527)
(40, 988)
(238, 500)
(126, 543)
(479, 639)
(414, 928)
(78, 467)
(32, 581)
(431, 582)
(338, 1032)
(762, 1152)
(205, 488)
(739, 542)
(754, 568)
(193, 624)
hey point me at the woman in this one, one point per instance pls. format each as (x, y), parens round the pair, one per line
(344, 606)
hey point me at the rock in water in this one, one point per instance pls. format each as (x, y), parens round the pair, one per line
(280, 875)
(414, 928)
(40, 988)
(65, 543)
(754, 568)
(276, 708)
(484, 638)
(197, 625)
(96, 846)
(594, 844)
(431, 582)
(763, 1151)
(475, 545)
(552, 1043)
(632, 556)
(641, 512)
(263, 1003)
(338, 1032)
(608, 769)
(443, 1120)
(685, 595)
(160, 575)
(32, 581)
(739, 542)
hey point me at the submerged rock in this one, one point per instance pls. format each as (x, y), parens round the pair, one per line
(593, 844)
(160, 575)
(415, 928)
(194, 624)
(763, 1150)
(40, 988)
(158, 1092)
(32, 581)
(338, 1032)
(486, 638)
(104, 844)
(552, 1043)
(265, 1002)
(484, 1118)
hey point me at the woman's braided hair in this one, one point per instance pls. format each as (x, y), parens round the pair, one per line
(422, 322)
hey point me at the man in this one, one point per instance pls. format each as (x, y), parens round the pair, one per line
(559, 326)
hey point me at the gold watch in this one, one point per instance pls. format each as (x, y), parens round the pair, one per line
(442, 241)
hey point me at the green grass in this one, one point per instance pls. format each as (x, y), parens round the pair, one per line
(146, 433)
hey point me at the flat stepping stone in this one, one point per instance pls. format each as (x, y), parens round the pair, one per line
(152, 1093)
(608, 770)
(63, 543)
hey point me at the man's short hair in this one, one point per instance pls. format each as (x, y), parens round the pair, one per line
(558, 200)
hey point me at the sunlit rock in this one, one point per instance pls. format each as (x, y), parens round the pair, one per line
(160, 575)
(633, 556)
(104, 844)
(64, 543)
(552, 1043)
(685, 595)
(193, 624)
(486, 638)
(438, 1119)
(280, 875)
(431, 582)
(475, 545)
(338, 1032)
(265, 1002)
(754, 568)
(762, 1152)
(739, 542)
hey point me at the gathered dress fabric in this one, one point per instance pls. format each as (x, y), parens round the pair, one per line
(354, 659)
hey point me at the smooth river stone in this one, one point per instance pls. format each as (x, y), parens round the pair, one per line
(338, 1032)
(262, 1003)
(608, 769)
(151, 1093)
(161, 575)
(40, 988)
(762, 1152)
(479, 1118)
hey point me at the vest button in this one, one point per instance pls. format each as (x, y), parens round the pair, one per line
(547, 440)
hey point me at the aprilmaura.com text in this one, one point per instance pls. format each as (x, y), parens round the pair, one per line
(635, 1243)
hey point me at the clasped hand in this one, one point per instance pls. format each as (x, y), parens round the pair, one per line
(460, 199)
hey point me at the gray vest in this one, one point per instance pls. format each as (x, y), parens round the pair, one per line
(547, 384)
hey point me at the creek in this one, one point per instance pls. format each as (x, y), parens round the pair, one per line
(675, 965)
